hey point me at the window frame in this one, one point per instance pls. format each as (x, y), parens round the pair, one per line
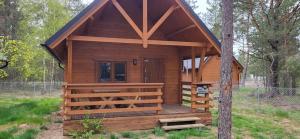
(112, 73)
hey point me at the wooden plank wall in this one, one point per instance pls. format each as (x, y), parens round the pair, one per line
(112, 24)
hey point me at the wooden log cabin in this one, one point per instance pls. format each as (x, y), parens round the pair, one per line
(211, 70)
(123, 59)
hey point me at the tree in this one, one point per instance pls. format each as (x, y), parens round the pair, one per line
(274, 24)
(213, 17)
(32, 22)
(225, 100)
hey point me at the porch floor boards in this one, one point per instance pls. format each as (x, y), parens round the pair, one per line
(167, 110)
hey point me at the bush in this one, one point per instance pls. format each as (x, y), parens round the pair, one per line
(158, 131)
(90, 127)
(113, 136)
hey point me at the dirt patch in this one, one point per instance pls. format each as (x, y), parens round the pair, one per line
(54, 130)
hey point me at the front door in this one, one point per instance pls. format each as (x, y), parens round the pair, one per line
(154, 71)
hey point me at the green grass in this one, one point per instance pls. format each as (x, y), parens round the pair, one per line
(30, 111)
(130, 135)
(184, 134)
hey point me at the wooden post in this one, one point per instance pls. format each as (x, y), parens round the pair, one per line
(160, 98)
(67, 92)
(193, 65)
(200, 69)
(145, 23)
(193, 87)
(70, 60)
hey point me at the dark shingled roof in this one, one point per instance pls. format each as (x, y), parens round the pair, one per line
(96, 2)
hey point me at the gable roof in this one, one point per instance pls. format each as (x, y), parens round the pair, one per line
(60, 33)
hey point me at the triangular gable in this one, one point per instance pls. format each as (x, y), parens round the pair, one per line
(84, 15)
(96, 5)
(78, 20)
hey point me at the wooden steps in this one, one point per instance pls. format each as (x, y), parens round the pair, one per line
(180, 123)
(185, 119)
(175, 127)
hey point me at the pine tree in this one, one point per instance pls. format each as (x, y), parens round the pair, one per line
(225, 100)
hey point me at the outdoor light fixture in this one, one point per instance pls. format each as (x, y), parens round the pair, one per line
(134, 61)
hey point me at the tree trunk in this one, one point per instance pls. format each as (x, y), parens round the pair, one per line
(275, 76)
(224, 124)
(247, 56)
(294, 85)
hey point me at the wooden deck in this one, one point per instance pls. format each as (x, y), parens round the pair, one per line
(167, 110)
(115, 122)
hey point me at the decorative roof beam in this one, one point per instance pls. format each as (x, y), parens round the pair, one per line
(82, 20)
(180, 31)
(127, 17)
(202, 30)
(145, 23)
(162, 19)
(136, 41)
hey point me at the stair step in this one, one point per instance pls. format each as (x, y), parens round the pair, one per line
(174, 127)
(185, 119)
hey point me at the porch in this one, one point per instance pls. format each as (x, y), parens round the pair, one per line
(131, 106)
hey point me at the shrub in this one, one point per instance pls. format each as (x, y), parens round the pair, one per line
(113, 136)
(158, 131)
(90, 127)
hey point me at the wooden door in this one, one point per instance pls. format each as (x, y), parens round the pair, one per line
(154, 72)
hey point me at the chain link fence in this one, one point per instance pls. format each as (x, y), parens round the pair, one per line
(30, 88)
(278, 97)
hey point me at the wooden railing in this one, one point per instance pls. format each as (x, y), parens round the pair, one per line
(103, 98)
(197, 100)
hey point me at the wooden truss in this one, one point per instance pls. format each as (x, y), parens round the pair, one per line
(145, 33)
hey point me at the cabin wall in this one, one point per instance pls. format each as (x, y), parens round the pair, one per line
(86, 55)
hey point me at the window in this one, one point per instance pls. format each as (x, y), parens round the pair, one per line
(112, 72)
(105, 72)
(120, 74)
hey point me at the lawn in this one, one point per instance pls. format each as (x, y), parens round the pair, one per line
(22, 118)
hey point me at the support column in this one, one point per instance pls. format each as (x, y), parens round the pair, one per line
(70, 60)
(145, 23)
(194, 79)
(201, 64)
(67, 91)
